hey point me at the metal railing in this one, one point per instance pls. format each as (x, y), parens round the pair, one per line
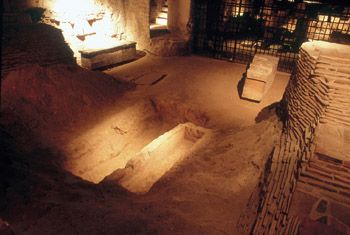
(235, 30)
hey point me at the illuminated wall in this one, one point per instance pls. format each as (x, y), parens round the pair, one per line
(92, 24)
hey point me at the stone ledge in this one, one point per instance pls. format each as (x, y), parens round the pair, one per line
(89, 53)
(97, 58)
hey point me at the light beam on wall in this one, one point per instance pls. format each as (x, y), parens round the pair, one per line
(86, 24)
(75, 10)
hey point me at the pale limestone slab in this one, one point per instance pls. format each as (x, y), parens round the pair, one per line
(121, 51)
(260, 76)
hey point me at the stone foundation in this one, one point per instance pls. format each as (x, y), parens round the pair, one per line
(316, 95)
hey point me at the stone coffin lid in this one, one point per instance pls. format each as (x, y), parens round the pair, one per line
(120, 45)
(262, 67)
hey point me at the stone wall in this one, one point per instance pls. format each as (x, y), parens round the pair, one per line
(60, 11)
(120, 19)
(82, 20)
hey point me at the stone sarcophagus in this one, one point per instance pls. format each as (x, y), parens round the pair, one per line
(118, 52)
(260, 76)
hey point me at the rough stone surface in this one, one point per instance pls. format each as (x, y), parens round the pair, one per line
(90, 20)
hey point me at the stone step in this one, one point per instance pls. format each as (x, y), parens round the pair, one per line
(163, 15)
(161, 21)
(158, 27)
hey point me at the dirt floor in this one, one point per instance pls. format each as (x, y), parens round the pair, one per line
(49, 175)
(212, 86)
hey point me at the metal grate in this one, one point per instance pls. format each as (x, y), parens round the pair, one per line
(235, 30)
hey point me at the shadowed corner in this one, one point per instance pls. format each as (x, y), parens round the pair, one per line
(240, 84)
(267, 112)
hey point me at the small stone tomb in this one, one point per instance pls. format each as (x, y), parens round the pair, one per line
(118, 52)
(260, 76)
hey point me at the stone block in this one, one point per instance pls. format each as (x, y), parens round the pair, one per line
(260, 76)
(119, 52)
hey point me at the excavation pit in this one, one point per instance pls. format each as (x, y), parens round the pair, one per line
(158, 157)
(110, 144)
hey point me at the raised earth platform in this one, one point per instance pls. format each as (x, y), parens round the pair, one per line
(260, 76)
(118, 52)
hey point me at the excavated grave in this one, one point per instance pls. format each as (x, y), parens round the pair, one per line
(80, 115)
(158, 157)
(110, 144)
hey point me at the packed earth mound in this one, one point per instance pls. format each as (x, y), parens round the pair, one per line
(27, 44)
